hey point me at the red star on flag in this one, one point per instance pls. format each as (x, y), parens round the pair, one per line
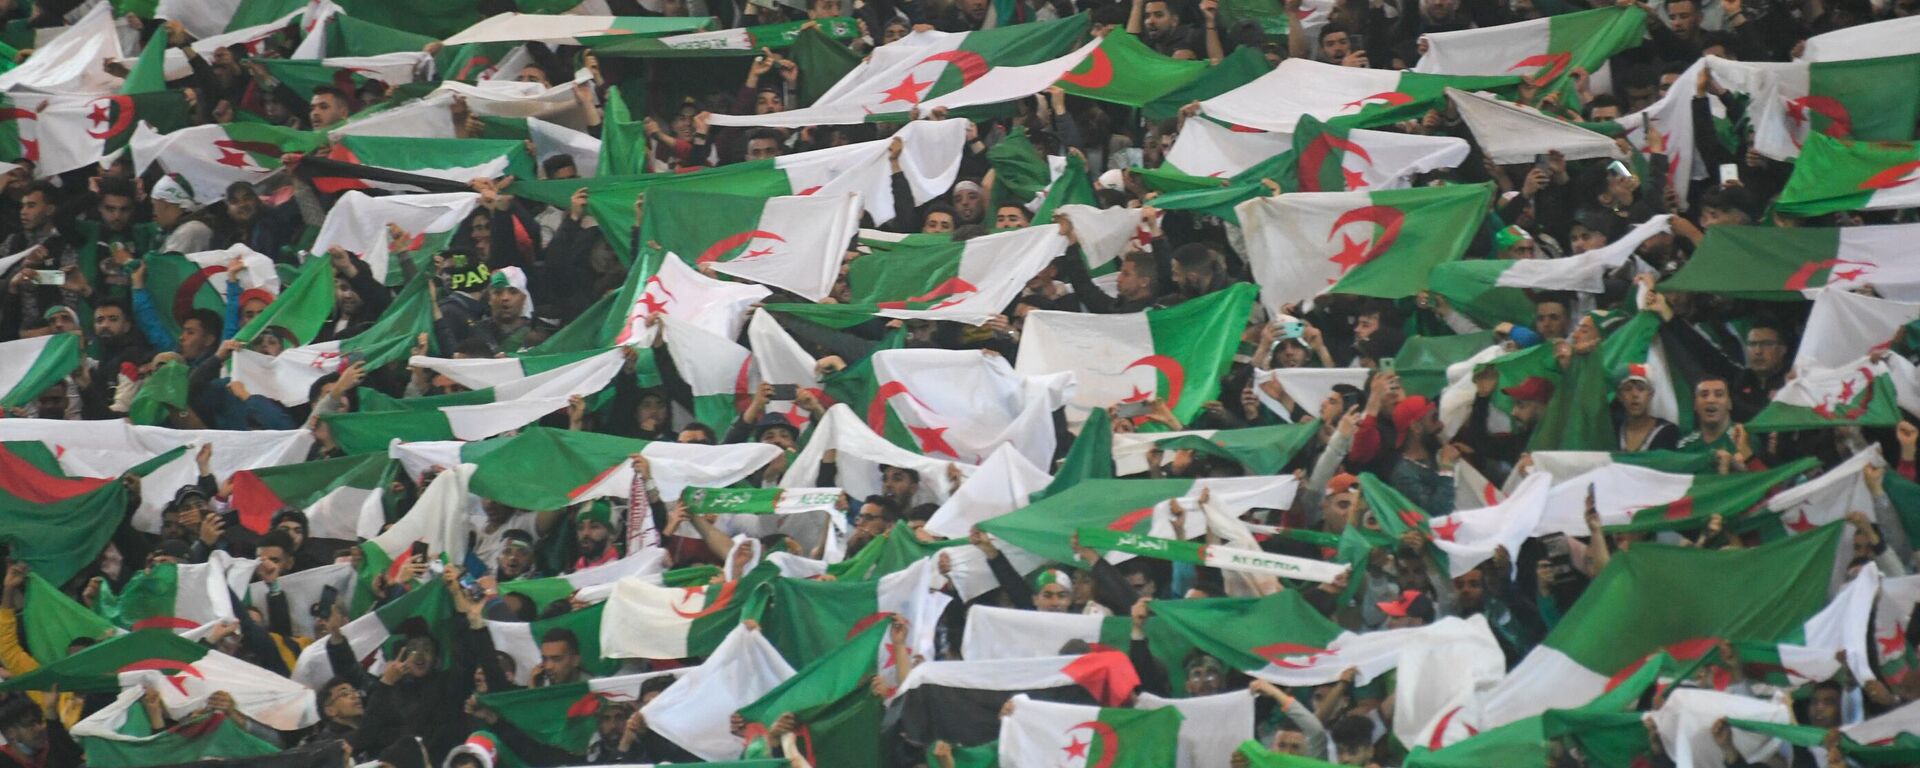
(1352, 254)
(932, 440)
(1138, 396)
(1355, 179)
(757, 252)
(232, 158)
(1077, 748)
(98, 115)
(1893, 644)
(908, 90)
(1801, 525)
(1446, 531)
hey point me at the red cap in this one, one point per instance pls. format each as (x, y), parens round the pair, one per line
(1341, 483)
(1410, 409)
(261, 295)
(1407, 602)
(1535, 389)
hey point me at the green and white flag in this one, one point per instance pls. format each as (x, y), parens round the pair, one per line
(566, 29)
(1380, 244)
(79, 131)
(546, 468)
(1864, 99)
(453, 160)
(1888, 739)
(1845, 326)
(301, 308)
(359, 223)
(521, 640)
(1493, 291)
(120, 735)
(1258, 450)
(1223, 558)
(836, 714)
(965, 282)
(962, 404)
(791, 242)
(1041, 732)
(1761, 594)
(1011, 633)
(29, 366)
(1540, 50)
(645, 620)
(289, 377)
(52, 621)
(1785, 262)
(1670, 505)
(426, 607)
(348, 73)
(1175, 355)
(694, 711)
(567, 716)
(184, 673)
(677, 290)
(922, 69)
(484, 372)
(1860, 393)
(474, 415)
(343, 498)
(1144, 507)
(719, 372)
(1510, 134)
(211, 157)
(178, 597)
(1123, 70)
(1833, 175)
(1346, 96)
(182, 283)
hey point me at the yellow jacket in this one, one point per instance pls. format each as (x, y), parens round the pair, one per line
(18, 661)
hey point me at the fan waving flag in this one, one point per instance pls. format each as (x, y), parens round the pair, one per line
(1044, 733)
(477, 414)
(1782, 262)
(566, 715)
(1540, 50)
(924, 66)
(794, 242)
(1833, 175)
(1348, 96)
(1860, 393)
(78, 132)
(836, 715)
(289, 376)
(1381, 244)
(1174, 355)
(341, 497)
(182, 671)
(651, 621)
(211, 157)
(456, 161)
(30, 365)
(1124, 70)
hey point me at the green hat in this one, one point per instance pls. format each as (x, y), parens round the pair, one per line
(1508, 237)
(598, 511)
(1051, 575)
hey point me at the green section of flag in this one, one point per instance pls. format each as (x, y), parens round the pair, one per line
(1260, 450)
(830, 699)
(301, 308)
(1728, 496)
(1046, 527)
(52, 621)
(1760, 262)
(1832, 175)
(1090, 457)
(59, 357)
(1434, 225)
(162, 393)
(1244, 633)
(1244, 65)
(1198, 338)
(1124, 70)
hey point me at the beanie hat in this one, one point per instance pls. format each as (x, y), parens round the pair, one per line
(1410, 409)
(481, 744)
(173, 189)
(514, 278)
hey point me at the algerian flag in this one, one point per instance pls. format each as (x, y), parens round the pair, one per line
(52, 521)
(520, 640)
(1859, 393)
(180, 284)
(572, 466)
(1670, 505)
(1123, 70)
(1175, 355)
(52, 621)
(645, 620)
(1490, 291)
(962, 404)
(592, 584)
(861, 453)
(290, 376)
(1685, 723)
(359, 223)
(1845, 326)
(1306, 387)
(303, 590)
(1210, 149)
(342, 498)
(120, 735)
(550, 140)
(1777, 262)
(1889, 37)
(1224, 558)
(1865, 99)
(837, 716)
(29, 366)
(1469, 536)
(349, 73)
(965, 282)
(477, 414)
(1046, 527)
(1888, 739)
(1008, 633)
(1758, 594)
(457, 161)
(1509, 133)
(718, 372)
(999, 485)
(301, 309)
(1041, 732)
(178, 596)
(1833, 175)
(781, 360)
(565, 29)
(566, 716)
(80, 131)
(694, 711)
(1380, 244)
(427, 602)
(1541, 50)
(1349, 95)
(1335, 158)
(209, 158)
(74, 60)
(923, 67)
(184, 672)
(484, 372)
(792, 242)
(1210, 726)
(678, 290)
(1258, 450)
(509, 100)
(1892, 614)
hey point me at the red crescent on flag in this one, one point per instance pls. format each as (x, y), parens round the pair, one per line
(1839, 120)
(1894, 176)
(1802, 278)
(1440, 729)
(1389, 98)
(1109, 742)
(1316, 154)
(1126, 522)
(1168, 367)
(719, 603)
(16, 113)
(164, 622)
(169, 666)
(121, 107)
(1552, 63)
(1100, 75)
(970, 64)
(1278, 653)
(183, 296)
(1389, 219)
(730, 242)
(877, 408)
(467, 69)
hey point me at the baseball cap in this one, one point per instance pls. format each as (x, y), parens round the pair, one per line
(1412, 603)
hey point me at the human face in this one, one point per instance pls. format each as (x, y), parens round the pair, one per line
(1360, 755)
(1712, 406)
(279, 556)
(761, 149)
(938, 222)
(294, 530)
(1636, 398)
(899, 484)
(421, 657)
(1053, 598)
(1439, 9)
(1205, 680)
(778, 438)
(593, 537)
(871, 520)
(825, 9)
(342, 702)
(251, 309)
(1335, 46)
(1009, 217)
(35, 211)
(196, 340)
(1290, 742)
(116, 212)
(1526, 411)
(532, 75)
(767, 103)
(1608, 112)
(326, 109)
(243, 206)
(1337, 510)
(1159, 18)
(1683, 17)
(1133, 285)
(1766, 352)
(693, 436)
(1823, 710)
(894, 32)
(513, 560)
(109, 322)
(32, 735)
(344, 298)
(1471, 588)
(506, 304)
(1550, 319)
(968, 203)
(562, 661)
(613, 717)
(1141, 584)
(974, 9)
(1585, 239)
